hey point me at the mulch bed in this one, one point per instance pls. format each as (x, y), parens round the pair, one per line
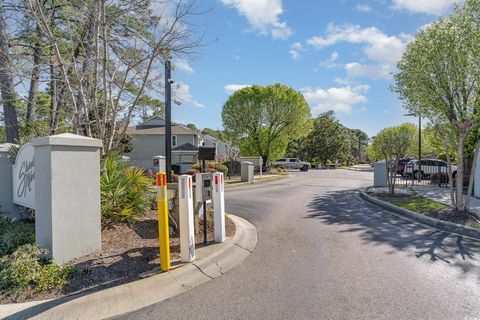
(452, 215)
(127, 252)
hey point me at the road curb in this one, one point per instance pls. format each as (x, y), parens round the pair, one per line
(144, 292)
(432, 222)
(258, 182)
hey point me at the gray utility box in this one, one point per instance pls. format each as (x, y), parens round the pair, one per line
(247, 171)
(380, 174)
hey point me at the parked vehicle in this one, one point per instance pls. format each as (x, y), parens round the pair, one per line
(425, 168)
(292, 163)
(401, 165)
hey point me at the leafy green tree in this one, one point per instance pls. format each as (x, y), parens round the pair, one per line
(219, 134)
(192, 126)
(393, 144)
(7, 86)
(265, 119)
(432, 145)
(328, 140)
(439, 78)
(358, 145)
(97, 60)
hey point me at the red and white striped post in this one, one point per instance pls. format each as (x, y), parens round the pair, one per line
(219, 206)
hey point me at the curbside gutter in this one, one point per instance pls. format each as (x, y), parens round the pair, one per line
(431, 222)
(144, 292)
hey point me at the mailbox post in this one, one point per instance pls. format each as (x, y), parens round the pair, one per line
(219, 207)
(204, 184)
(187, 235)
(204, 190)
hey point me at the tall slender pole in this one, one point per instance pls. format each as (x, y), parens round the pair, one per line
(168, 121)
(419, 147)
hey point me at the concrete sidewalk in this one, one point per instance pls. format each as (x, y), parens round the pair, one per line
(443, 195)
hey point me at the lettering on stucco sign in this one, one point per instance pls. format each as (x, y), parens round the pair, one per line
(23, 177)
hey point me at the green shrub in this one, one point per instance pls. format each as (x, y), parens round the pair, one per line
(25, 267)
(14, 234)
(221, 168)
(125, 191)
(212, 167)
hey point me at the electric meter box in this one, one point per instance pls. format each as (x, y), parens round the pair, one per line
(206, 184)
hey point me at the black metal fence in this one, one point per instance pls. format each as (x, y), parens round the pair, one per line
(233, 170)
(425, 173)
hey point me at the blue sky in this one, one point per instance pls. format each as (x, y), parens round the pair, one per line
(339, 54)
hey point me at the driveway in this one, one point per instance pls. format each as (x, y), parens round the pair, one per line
(323, 253)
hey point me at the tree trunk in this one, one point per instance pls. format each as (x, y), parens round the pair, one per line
(472, 176)
(54, 105)
(449, 163)
(459, 177)
(264, 159)
(34, 81)
(7, 86)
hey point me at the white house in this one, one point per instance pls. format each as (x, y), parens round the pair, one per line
(149, 141)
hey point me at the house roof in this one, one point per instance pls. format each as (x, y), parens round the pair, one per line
(185, 147)
(156, 125)
(176, 129)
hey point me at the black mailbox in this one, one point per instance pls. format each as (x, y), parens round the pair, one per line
(206, 153)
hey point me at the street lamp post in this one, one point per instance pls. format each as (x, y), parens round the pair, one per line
(168, 120)
(419, 143)
(419, 148)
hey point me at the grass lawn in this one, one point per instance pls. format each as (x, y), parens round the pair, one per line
(419, 204)
(433, 209)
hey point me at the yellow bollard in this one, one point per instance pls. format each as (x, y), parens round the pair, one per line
(163, 232)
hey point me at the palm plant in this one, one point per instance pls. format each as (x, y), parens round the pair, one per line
(125, 191)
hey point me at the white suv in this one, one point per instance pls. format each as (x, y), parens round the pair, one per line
(292, 163)
(428, 167)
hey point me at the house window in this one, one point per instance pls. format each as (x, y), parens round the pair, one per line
(174, 141)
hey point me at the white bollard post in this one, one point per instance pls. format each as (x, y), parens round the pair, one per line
(198, 195)
(187, 234)
(219, 206)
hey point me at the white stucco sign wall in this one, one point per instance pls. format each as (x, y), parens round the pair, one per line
(23, 177)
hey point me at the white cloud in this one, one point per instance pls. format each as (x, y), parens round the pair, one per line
(383, 50)
(263, 16)
(434, 7)
(340, 99)
(331, 62)
(183, 65)
(181, 92)
(295, 50)
(231, 88)
(374, 71)
(363, 8)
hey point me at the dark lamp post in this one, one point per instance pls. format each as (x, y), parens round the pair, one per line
(419, 142)
(168, 120)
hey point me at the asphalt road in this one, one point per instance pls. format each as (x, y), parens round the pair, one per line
(324, 253)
